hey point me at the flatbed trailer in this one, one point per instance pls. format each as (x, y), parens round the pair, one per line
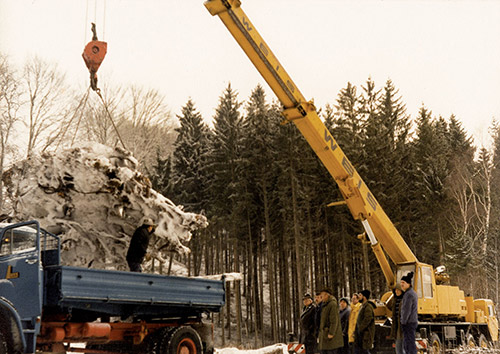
(45, 306)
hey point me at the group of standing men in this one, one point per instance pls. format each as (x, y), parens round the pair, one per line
(349, 327)
(327, 330)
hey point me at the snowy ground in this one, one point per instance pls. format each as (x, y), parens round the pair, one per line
(273, 349)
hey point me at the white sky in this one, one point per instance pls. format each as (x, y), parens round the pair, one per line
(445, 54)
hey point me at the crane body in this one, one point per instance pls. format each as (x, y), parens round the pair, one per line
(437, 301)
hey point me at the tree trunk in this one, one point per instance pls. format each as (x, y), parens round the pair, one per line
(366, 266)
(261, 288)
(228, 286)
(296, 234)
(237, 286)
(270, 264)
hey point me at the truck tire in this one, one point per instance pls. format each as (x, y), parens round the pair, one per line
(4, 349)
(435, 344)
(6, 342)
(153, 343)
(182, 340)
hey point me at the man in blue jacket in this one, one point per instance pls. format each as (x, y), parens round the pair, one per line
(409, 314)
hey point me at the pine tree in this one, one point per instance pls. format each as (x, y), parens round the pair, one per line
(386, 152)
(189, 159)
(348, 125)
(429, 192)
(225, 153)
(258, 162)
(161, 176)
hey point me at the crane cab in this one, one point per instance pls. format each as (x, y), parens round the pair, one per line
(434, 299)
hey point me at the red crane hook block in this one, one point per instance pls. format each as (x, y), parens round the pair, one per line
(93, 55)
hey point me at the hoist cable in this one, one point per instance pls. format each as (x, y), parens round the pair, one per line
(104, 21)
(98, 91)
(80, 118)
(95, 11)
(84, 101)
(85, 24)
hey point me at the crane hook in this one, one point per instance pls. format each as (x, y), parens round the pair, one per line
(93, 55)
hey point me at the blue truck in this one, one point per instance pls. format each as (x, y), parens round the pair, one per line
(47, 307)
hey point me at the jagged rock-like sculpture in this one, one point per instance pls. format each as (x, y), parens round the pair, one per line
(94, 197)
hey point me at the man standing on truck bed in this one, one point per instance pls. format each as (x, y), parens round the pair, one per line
(139, 245)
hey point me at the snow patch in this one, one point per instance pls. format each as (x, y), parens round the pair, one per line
(225, 276)
(272, 349)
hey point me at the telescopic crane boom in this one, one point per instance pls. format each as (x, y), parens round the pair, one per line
(363, 206)
(443, 308)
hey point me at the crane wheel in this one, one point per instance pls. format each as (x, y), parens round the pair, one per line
(483, 342)
(435, 344)
(470, 342)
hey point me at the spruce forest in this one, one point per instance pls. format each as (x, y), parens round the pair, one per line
(266, 194)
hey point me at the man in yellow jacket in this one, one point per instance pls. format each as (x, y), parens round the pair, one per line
(355, 306)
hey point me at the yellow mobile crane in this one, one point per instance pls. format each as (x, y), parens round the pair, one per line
(446, 316)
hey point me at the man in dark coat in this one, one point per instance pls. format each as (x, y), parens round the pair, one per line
(138, 247)
(409, 314)
(319, 306)
(364, 333)
(330, 332)
(394, 304)
(308, 324)
(345, 312)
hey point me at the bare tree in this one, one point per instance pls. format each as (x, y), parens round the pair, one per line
(147, 124)
(47, 94)
(96, 123)
(10, 102)
(144, 122)
(472, 192)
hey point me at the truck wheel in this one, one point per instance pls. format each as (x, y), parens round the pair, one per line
(183, 340)
(4, 349)
(435, 344)
(483, 342)
(154, 343)
(470, 342)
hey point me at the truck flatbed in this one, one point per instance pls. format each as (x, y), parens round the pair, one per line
(135, 294)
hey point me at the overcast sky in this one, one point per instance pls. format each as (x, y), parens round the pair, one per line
(443, 54)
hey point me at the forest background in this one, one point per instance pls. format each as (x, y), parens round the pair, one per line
(266, 194)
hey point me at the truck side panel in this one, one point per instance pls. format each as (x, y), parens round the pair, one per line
(138, 294)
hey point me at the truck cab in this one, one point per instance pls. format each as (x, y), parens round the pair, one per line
(21, 283)
(46, 306)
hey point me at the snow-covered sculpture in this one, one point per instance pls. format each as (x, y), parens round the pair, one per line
(94, 197)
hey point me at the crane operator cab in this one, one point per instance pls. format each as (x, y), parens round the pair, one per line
(436, 298)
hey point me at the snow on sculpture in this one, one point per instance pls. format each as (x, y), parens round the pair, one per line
(94, 197)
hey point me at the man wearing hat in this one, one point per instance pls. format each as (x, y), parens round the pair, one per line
(364, 333)
(345, 312)
(139, 245)
(353, 318)
(330, 331)
(308, 324)
(319, 306)
(394, 304)
(409, 314)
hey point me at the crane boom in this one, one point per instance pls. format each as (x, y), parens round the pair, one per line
(360, 201)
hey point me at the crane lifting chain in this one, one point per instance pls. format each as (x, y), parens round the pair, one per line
(93, 55)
